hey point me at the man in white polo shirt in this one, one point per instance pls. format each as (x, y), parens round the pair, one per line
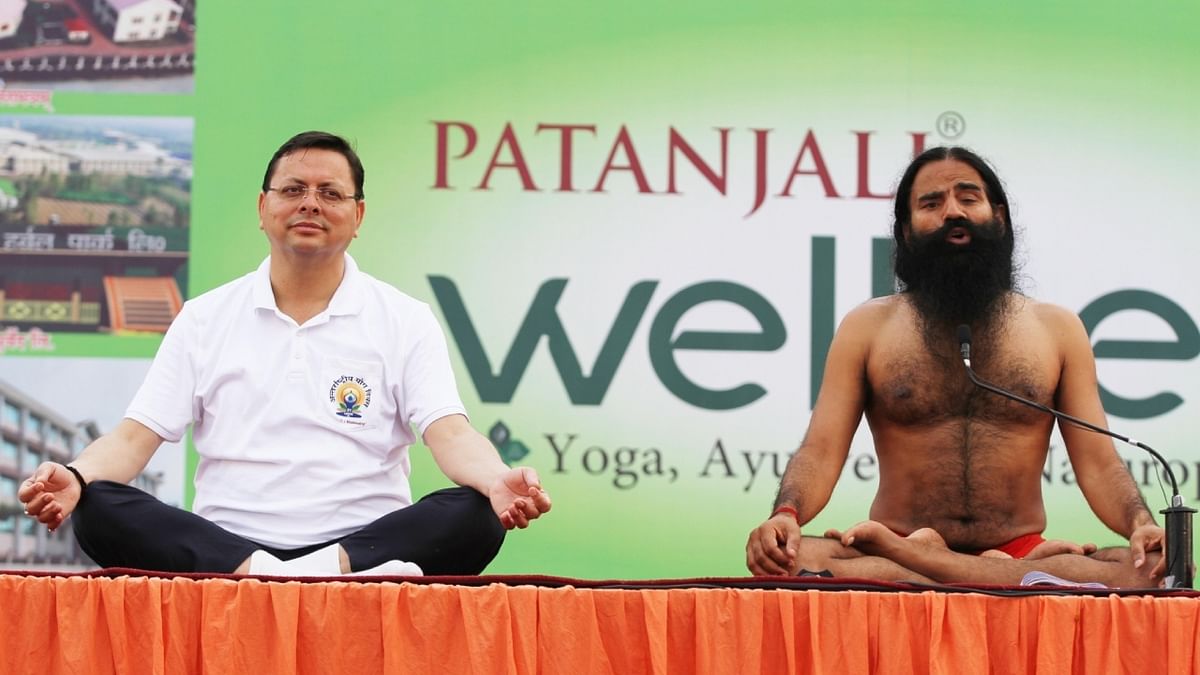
(302, 382)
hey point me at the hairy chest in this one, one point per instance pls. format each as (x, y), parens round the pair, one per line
(915, 389)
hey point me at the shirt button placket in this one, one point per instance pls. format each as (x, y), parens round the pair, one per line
(296, 371)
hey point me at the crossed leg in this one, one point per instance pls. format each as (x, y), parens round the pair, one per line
(1043, 550)
(925, 553)
(827, 553)
(844, 560)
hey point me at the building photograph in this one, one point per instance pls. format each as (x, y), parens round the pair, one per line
(98, 45)
(49, 413)
(95, 222)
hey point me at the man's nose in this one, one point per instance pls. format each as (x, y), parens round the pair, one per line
(309, 202)
(953, 209)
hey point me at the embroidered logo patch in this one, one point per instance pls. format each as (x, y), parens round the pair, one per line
(351, 396)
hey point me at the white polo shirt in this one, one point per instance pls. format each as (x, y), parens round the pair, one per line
(302, 431)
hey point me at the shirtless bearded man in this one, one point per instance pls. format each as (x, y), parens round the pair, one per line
(953, 458)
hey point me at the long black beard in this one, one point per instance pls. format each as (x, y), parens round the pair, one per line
(951, 285)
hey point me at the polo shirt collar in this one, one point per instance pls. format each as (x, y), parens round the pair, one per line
(346, 299)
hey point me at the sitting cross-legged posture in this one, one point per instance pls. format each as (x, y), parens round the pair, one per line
(955, 459)
(302, 382)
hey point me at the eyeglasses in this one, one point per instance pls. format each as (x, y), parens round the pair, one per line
(328, 196)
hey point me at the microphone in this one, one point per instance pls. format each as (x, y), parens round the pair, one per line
(964, 345)
(1178, 547)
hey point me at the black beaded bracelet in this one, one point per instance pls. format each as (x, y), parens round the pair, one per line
(78, 477)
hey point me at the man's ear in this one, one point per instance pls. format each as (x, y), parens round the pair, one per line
(1002, 214)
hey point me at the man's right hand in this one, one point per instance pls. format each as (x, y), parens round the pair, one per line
(774, 547)
(50, 494)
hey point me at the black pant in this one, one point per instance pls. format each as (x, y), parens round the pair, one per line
(451, 531)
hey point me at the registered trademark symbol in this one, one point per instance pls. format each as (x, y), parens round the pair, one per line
(951, 125)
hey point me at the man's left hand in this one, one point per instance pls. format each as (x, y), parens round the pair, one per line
(1149, 537)
(517, 497)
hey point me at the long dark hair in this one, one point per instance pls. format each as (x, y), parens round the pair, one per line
(991, 183)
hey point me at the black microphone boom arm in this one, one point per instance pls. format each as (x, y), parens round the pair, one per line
(1178, 549)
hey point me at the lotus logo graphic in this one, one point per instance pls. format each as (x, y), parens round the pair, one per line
(351, 395)
(511, 450)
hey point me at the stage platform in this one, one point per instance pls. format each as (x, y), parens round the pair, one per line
(125, 621)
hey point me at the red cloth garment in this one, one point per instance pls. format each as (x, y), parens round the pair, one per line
(1022, 545)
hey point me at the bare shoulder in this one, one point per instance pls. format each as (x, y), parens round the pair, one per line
(873, 313)
(1059, 321)
(860, 328)
(1061, 328)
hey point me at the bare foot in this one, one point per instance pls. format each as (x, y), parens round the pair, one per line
(927, 535)
(1059, 547)
(869, 536)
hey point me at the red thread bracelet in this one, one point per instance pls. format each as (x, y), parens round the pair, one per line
(786, 509)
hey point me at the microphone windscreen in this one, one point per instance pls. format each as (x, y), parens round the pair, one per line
(964, 334)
